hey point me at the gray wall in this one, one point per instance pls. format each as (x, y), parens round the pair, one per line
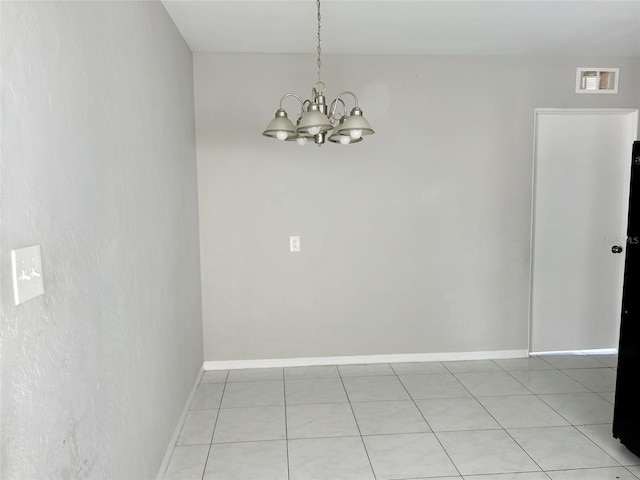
(415, 241)
(98, 166)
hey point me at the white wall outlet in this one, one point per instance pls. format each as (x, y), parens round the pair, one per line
(294, 244)
(27, 273)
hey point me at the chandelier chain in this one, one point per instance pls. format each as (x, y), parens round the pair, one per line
(319, 46)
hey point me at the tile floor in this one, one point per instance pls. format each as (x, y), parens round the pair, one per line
(521, 419)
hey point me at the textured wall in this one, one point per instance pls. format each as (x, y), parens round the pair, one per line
(98, 166)
(415, 241)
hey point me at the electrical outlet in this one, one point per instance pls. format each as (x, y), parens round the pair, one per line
(294, 244)
(28, 281)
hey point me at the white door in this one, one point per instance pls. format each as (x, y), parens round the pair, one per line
(581, 192)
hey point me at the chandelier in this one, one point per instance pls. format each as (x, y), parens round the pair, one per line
(317, 120)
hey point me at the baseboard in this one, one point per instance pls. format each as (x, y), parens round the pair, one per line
(597, 351)
(360, 359)
(176, 432)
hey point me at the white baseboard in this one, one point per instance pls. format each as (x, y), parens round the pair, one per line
(360, 359)
(176, 432)
(598, 351)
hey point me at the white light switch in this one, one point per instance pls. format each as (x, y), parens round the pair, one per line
(27, 273)
(294, 244)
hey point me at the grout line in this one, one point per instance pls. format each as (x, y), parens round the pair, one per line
(541, 357)
(234, 442)
(427, 422)
(286, 425)
(355, 419)
(214, 425)
(585, 386)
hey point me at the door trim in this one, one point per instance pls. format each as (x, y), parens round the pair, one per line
(633, 112)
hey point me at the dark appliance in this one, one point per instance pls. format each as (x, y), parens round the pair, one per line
(626, 416)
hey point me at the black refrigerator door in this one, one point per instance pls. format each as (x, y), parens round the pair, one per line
(626, 418)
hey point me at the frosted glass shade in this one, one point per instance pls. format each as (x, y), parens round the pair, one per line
(355, 121)
(280, 124)
(336, 137)
(313, 120)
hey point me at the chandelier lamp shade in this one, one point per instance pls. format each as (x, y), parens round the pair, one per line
(317, 120)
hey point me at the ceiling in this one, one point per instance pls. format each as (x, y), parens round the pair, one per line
(412, 27)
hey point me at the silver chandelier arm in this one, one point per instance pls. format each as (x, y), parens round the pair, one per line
(293, 95)
(347, 92)
(334, 107)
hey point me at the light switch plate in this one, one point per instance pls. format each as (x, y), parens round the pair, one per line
(294, 243)
(28, 281)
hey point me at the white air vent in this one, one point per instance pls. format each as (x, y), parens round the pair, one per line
(597, 80)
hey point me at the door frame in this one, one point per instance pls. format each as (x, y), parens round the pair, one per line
(538, 112)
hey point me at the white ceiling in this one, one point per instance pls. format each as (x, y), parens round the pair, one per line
(413, 27)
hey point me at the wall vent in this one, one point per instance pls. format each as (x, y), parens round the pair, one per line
(597, 80)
